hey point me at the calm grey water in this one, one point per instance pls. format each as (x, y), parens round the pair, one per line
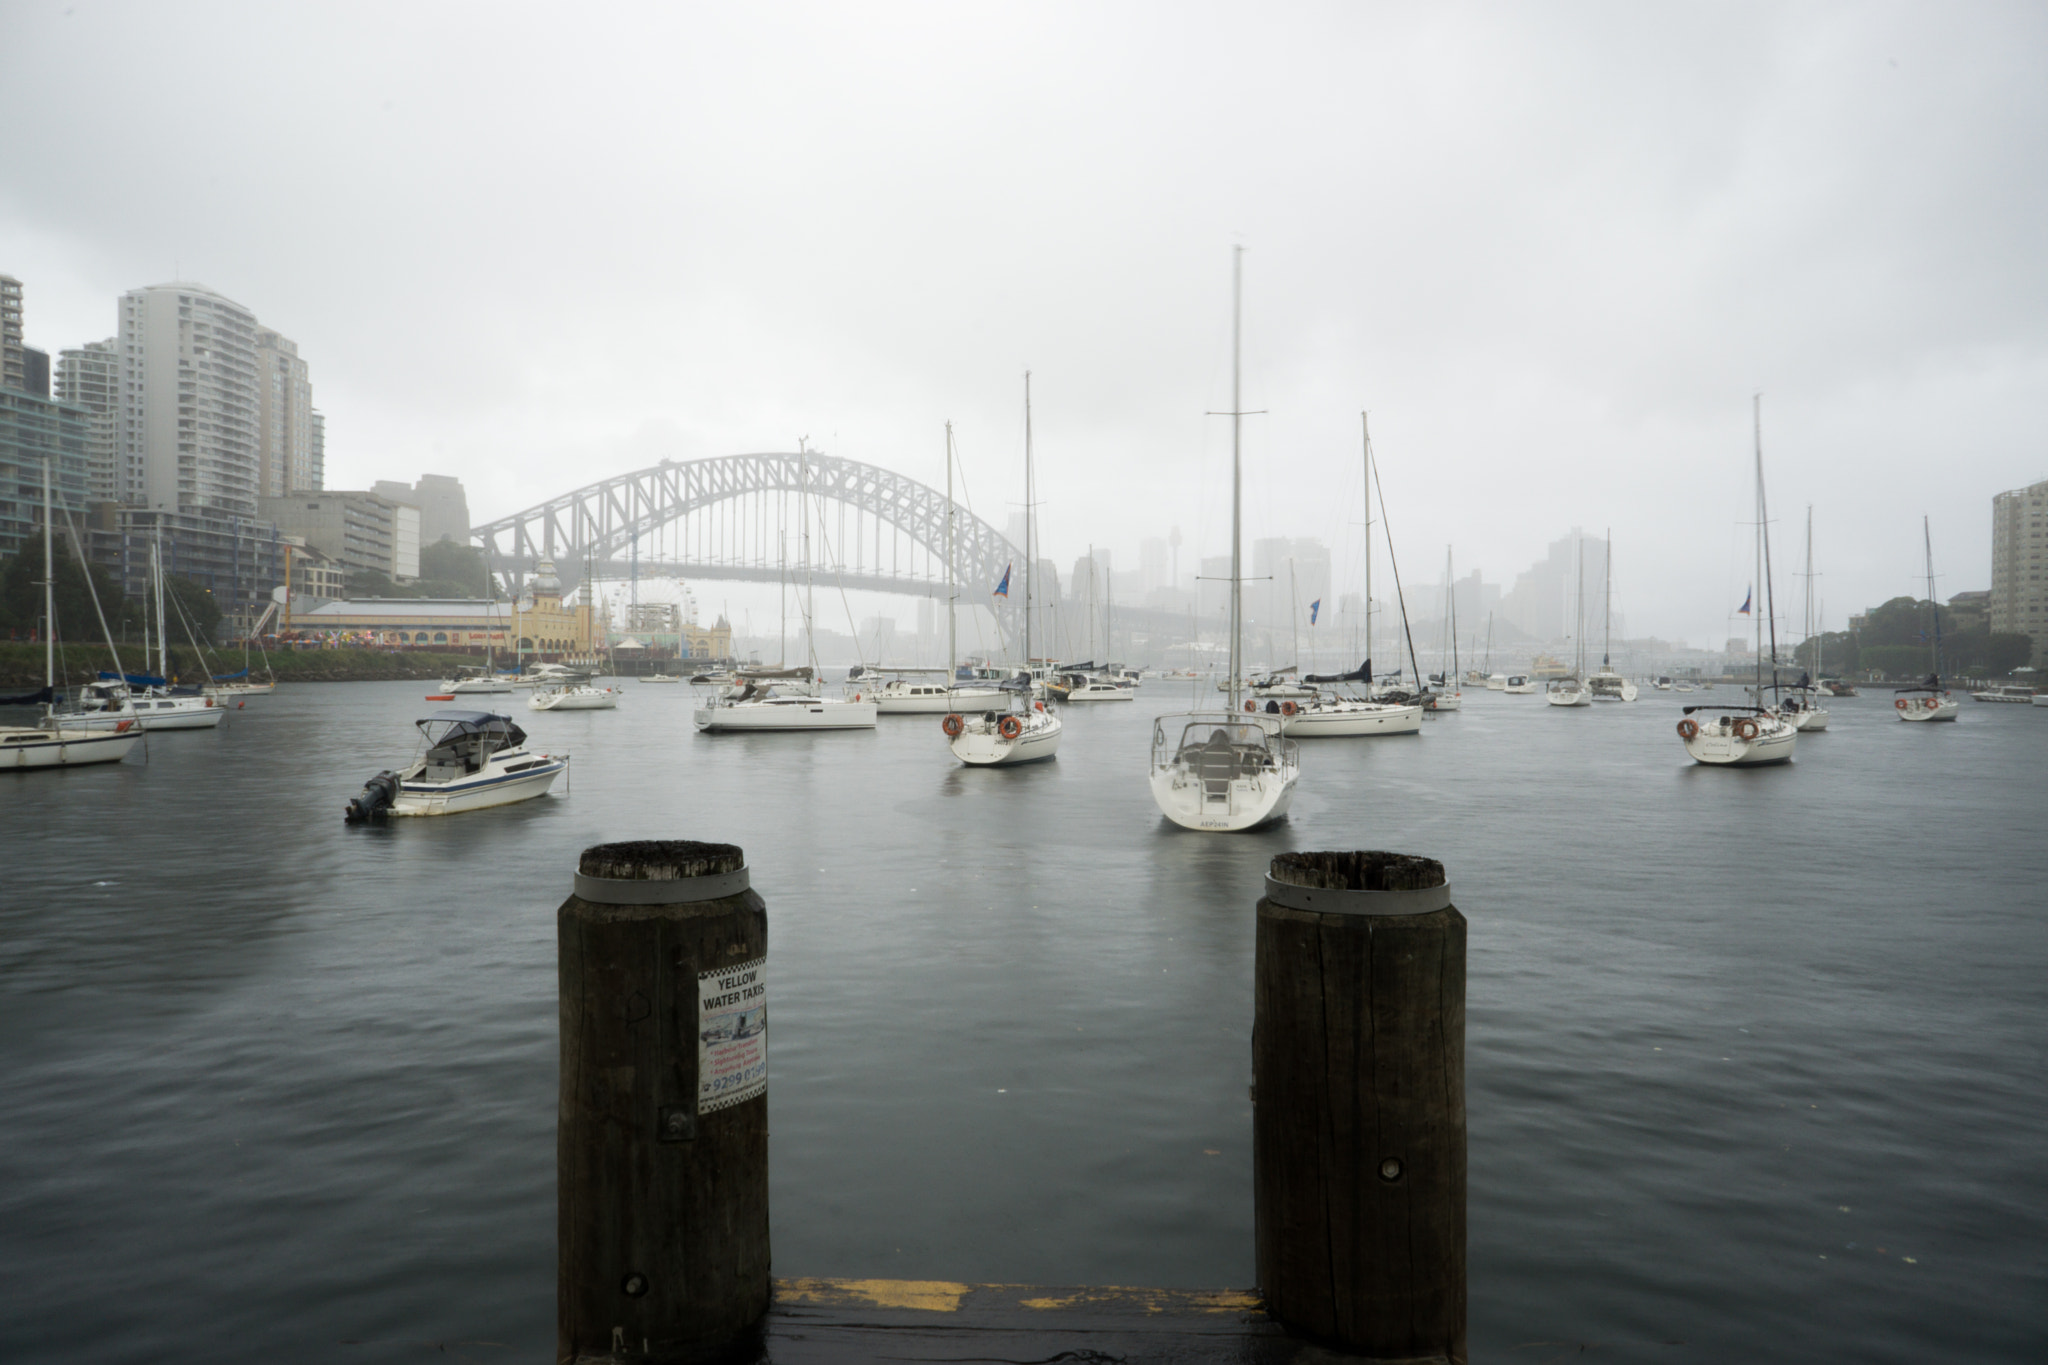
(1756, 1058)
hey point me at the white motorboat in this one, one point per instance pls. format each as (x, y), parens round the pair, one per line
(574, 697)
(782, 706)
(55, 741)
(2041, 699)
(1739, 737)
(474, 760)
(2008, 693)
(478, 682)
(1520, 684)
(1227, 772)
(1087, 687)
(1930, 700)
(1496, 682)
(1014, 730)
(1746, 736)
(1683, 687)
(1663, 684)
(1607, 685)
(660, 678)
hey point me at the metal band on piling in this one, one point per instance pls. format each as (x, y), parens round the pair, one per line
(666, 891)
(1330, 901)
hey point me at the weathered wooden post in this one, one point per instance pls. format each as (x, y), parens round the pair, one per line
(1358, 1129)
(662, 1150)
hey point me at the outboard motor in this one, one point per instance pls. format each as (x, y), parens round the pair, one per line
(375, 802)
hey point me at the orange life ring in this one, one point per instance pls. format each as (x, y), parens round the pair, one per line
(1746, 728)
(1251, 706)
(1902, 703)
(1688, 728)
(1011, 727)
(1288, 708)
(953, 725)
(1932, 703)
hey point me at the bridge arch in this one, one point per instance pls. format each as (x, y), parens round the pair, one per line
(604, 521)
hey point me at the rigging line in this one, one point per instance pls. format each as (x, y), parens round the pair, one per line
(97, 610)
(1387, 524)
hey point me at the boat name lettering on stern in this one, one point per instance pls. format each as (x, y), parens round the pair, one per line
(732, 1035)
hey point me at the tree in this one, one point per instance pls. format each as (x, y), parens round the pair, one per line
(21, 593)
(451, 570)
(195, 602)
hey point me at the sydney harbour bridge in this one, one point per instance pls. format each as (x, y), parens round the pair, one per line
(745, 517)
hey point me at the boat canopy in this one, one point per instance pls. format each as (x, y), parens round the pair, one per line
(43, 697)
(446, 726)
(230, 677)
(770, 674)
(135, 679)
(1362, 673)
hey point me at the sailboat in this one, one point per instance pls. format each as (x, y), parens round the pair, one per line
(59, 742)
(1572, 689)
(1929, 700)
(1331, 715)
(1608, 685)
(148, 698)
(1746, 736)
(792, 701)
(1452, 698)
(1229, 770)
(1801, 703)
(1023, 728)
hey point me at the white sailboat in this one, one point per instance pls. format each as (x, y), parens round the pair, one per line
(1452, 697)
(58, 742)
(1347, 715)
(908, 692)
(573, 697)
(1573, 690)
(1607, 684)
(1801, 703)
(792, 704)
(1929, 700)
(148, 699)
(1228, 771)
(1022, 728)
(1745, 736)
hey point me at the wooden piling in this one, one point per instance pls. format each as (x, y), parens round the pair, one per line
(662, 1145)
(1358, 1129)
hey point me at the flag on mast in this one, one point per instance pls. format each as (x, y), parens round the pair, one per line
(1743, 610)
(1003, 588)
(1313, 608)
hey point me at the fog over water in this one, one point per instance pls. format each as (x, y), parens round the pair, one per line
(1555, 251)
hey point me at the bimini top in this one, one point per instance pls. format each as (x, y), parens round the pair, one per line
(443, 726)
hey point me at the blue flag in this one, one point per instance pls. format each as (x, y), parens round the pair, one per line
(1313, 608)
(1003, 588)
(1743, 610)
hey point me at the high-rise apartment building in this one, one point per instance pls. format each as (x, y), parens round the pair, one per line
(284, 416)
(188, 437)
(319, 451)
(12, 363)
(444, 507)
(2019, 565)
(89, 377)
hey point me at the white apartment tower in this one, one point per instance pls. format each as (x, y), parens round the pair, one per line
(13, 359)
(90, 377)
(188, 436)
(284, 416)
(2019, 565)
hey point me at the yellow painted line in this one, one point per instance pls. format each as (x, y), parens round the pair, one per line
(931, 1296)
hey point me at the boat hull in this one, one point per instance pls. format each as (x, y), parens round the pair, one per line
(1576, 697)
(1717, 748)
(786, 716)
(1447, 701)
(939, 704)
(1251, 802)
(1346, 722)
(1081, 694)
(65, 748)
(477, 793)
(583, 699)
(1931, 709)
(1808, 721)
(146, 715)
(980, 748)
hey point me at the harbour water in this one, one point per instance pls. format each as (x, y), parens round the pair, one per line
(1755, 1057)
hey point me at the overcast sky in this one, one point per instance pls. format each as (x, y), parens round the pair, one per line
(1554, 248)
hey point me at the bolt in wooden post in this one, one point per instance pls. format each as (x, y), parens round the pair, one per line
(1358, 1128)
(662, 1149)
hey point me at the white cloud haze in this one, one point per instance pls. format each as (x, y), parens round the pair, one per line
(1554, 248)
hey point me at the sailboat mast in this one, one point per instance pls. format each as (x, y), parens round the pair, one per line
(1236, 475)
(1029, 498)
(803, 495)
(1294, 613)
(49, 601)
(1451, 605)
(1607, 625)
(1763, 507)
(1579, 624)
(952, 667)
(1365, 464)
(1933, 610)
(1755, 607)
(163, 627)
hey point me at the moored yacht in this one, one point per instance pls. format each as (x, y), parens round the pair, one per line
(1520, 684)
(574, 697)
(474, 759)
(1015, 729)
(2007, 693)
(1929, 700)
(1738, 737)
